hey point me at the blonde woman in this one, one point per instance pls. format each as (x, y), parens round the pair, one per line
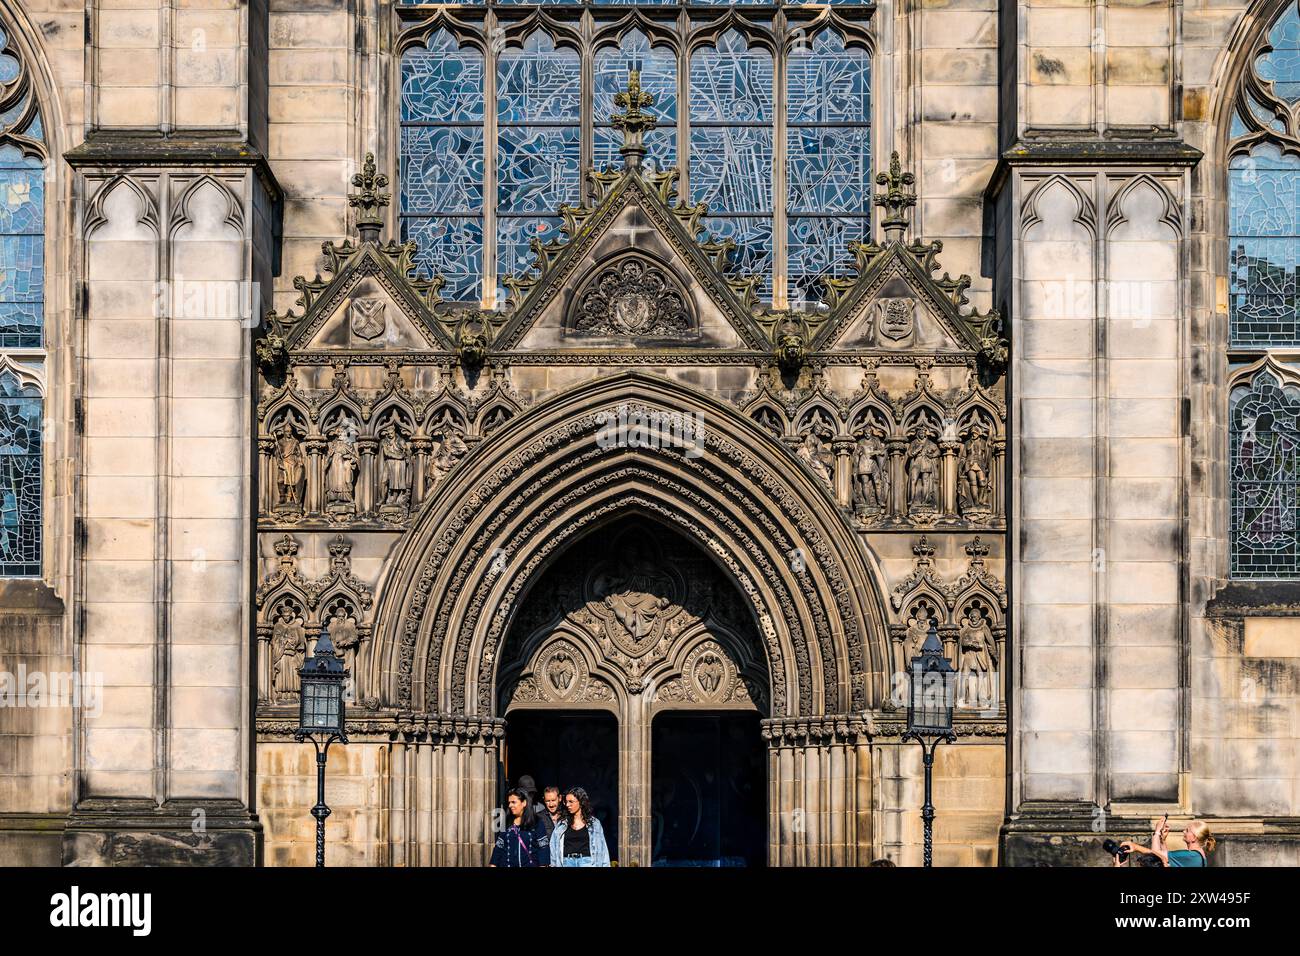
(1196, 835)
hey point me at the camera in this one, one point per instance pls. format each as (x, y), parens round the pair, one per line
(1113, 848)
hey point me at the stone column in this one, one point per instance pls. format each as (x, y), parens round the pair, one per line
(820, 797)
(368, 481)
(843, 448)
(948, 481)
(897, 479)
(315, 493)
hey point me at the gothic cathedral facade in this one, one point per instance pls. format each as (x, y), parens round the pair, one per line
(630, 390)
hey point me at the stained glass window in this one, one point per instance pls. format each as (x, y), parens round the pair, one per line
(1265, 462)
(828, 160)
(658, 66)
(1264, 243)
(732, 142)
(480, 181)
(22, 296)
(442, 162)
(1281, 65)
(539, 146)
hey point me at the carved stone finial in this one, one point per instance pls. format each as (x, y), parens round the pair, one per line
(977, 551)
(634, 122)
(897, 198)
(370, 200)
(923, 550)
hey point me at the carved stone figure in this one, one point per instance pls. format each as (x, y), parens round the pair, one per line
(290, 468)
(346, 637)
(922, 469)
(978, 657)
(395, 469)
(448, 448)
(870, 473)
(561, 671)
(289, 646)
(341, 467)
(974, 464)
(709, 672)
(917, 629)
(637, 592)
(815, 449)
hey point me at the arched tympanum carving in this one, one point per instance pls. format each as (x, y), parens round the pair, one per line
(648, 613)
(558, 471)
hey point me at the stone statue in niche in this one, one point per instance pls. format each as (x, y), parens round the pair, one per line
(448, 448)
(976, 686)
(346, 637)
(290, 468)
(974, 465)
(341, 467)
(288, 647)
(815, 450)
(918, 628)
(870, 473)
(922, 469)
(395, 470)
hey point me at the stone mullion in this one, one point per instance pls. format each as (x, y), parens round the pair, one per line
(683, 107)
(313, 503)
(780, 280)
(586, 106)
(488, 293)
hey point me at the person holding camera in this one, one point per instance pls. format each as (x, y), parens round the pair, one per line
(1196, 835)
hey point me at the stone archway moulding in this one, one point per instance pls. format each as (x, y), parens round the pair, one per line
(545, 480)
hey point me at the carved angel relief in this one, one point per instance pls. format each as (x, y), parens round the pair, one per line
(633, 297)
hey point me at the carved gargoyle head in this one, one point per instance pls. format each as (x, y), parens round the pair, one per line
(272, 353)
(791, 344)
(994, 354)
(472, 341)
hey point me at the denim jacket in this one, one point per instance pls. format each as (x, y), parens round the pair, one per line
(599, 851)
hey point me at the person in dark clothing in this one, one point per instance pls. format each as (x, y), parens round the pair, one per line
(524, 842)
(551, 812)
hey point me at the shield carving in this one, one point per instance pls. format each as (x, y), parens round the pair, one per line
(896, 318)
(368, 319)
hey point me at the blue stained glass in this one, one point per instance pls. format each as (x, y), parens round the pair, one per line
(753, 239)
(452, 247)
(1281, 66)
(1264, 249)
(828, 168)
(442, 169)
(661, 148)
(828, 83)
(514, 257)
(22, 200)
(731, 168)
(537, 168)
(818, 246)
(442, 84)
(1264, 456)
(658, 68)
(731, 84)
(22, 268)
(538, 84)
(20, 478)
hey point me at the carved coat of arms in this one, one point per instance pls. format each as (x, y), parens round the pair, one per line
(895, 318)
(367, 318)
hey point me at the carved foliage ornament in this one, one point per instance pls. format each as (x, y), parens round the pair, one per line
(633, 297)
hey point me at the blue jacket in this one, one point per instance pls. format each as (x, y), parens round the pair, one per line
(516, 846)
(599, 851)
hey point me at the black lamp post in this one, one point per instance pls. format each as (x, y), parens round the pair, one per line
(321, 719)
(929, 715)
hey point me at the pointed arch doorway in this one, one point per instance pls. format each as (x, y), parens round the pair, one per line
(633, 668)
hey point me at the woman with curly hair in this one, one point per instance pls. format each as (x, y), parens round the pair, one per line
(578, 839)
